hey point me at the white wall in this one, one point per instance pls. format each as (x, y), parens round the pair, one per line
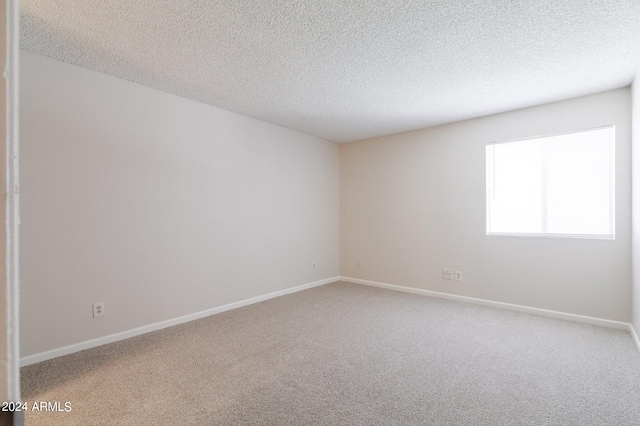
(159, 206)
(635, 100)
(413, 203)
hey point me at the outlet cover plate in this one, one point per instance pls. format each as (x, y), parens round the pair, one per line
(98, 309)
(447, 273)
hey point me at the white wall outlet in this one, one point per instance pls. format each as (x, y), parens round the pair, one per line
(98, 309)
(313, 265)
(360, 264)
(447, 273)
(458, 275)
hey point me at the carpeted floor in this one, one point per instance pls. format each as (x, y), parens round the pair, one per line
(345, 354)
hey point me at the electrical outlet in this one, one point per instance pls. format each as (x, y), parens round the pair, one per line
(313, 265)
(458, 275)
(98, 309)
(447, 273)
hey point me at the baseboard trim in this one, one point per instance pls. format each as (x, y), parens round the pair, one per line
(500, 305)
(635, 336)
(88, 344)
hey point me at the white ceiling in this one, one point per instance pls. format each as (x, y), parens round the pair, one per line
(348, 70)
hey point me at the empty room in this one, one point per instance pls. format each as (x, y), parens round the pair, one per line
(323, 212)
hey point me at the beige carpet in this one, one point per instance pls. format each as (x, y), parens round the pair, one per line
(346, 354)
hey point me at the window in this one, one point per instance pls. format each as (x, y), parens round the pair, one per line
(560, 185)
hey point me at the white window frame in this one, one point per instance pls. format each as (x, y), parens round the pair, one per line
(605, 237)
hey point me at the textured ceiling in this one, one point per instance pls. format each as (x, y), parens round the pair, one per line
(348, 70)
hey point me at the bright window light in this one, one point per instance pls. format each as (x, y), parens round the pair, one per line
(559, 186)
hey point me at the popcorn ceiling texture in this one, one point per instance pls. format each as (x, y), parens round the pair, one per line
(348, 70)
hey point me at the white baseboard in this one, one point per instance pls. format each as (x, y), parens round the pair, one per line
(76, 347)
(500, 305)
(635, 336)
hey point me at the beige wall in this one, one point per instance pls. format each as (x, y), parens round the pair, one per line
(635, 99)
(414, 203)
(158, 206)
